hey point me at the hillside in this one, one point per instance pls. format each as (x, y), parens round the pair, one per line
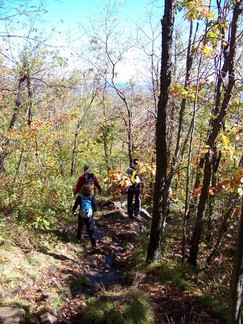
(48, 278)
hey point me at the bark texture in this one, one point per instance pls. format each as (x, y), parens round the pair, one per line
(160, 187)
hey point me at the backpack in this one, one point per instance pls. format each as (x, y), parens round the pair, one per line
(86, 208)
(88, 187)
(135, 179)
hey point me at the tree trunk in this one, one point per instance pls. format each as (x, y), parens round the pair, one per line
(222, 230)
(77, 131)
(200, 212)
(189, 62)
(234, 316)
(127, 119)
(188, 209)
(217, 124)
(74, 152)
(161, 188)
(30, 99)
(16, 113)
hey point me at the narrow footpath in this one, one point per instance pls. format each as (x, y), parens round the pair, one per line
(110, 267)
(64, 275)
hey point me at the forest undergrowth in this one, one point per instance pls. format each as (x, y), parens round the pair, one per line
(46, 271)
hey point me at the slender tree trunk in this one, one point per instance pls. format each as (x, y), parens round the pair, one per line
(236, 285)
(30, 99)
(200, 212)
(225, 223)
(183, 104)
(217, 124)
(191, 134)
(128, 118)
(77, 131)
(74, 152)
(161, 188)
(215, 163)
(128, 122)
(223, 229)
(37, 155)
(13, 121)
(129, 134)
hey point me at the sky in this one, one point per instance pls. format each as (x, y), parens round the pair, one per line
(74, 11)
(68, 14)
(65, 16)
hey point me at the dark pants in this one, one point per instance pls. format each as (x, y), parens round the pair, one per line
(133, 193)
(90, 225)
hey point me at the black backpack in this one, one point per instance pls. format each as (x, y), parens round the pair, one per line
(88, 187)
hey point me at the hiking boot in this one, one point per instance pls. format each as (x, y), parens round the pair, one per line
(136, 212)
(95, 249)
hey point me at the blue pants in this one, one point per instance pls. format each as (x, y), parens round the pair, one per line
(133, 193)
(90, 225)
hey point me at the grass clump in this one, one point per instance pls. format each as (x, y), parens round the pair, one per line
(132, 307)
(179, 274)
(79, 282)
(219, 310)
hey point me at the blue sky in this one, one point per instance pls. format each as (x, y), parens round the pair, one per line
(65, 16)
(72, 12)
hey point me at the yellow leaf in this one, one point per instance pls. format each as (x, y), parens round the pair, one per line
(207, 51)
(203, 245)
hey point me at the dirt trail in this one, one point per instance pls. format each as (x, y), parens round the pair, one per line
(71, 273)
(112, 268)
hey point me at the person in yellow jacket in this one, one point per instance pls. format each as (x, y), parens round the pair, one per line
(134, 189)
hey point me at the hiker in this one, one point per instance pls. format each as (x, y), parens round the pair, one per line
(88, 206)
(89, 179)
(134, 189)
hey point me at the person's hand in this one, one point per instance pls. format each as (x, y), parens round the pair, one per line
(74, 213)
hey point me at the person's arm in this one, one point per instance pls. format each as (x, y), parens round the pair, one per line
(96, 182)
(79, 184)
(77, 202)
(129, 171)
